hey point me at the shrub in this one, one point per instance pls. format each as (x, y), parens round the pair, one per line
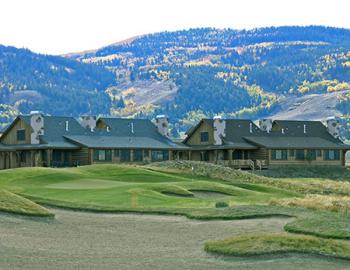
(221, 205)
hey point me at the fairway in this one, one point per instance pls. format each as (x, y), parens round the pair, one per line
(86, 184)
(130, 188)
(197, 191)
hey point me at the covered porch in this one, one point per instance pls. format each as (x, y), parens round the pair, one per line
(235, 158)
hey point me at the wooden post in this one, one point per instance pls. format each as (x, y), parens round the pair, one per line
(189, 155)
(11, 162)
(48, 157)
(230, 152)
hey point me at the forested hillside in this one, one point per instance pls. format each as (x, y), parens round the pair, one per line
(53, 84)
(187, 74)
(238, 73)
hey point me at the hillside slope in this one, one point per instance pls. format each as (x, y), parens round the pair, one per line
(237, 73)
(55, 85)
(187, 74)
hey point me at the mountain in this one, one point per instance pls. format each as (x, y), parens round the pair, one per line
(236, 73)
(189, 74)
(53, 84)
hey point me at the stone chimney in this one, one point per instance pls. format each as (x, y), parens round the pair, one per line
(88, 122)
(219, 130)
(265, 125)
(333, 127)
(37, 125)
(163, 125)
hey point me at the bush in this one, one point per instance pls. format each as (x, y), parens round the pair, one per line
(221, 205)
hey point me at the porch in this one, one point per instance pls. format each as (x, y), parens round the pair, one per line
(235, 158)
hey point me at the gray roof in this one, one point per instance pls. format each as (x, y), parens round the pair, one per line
(236, 129)
(55, 130)
(98, 141)
(289, 142)
(5, 148)
(126, 133)
(296, 128)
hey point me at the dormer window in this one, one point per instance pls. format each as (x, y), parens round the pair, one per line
(204, 136)
(21, 135)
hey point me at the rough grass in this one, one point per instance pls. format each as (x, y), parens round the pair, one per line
(315, 185)
(250, 245)
(323, 172)
(317, 202)
(12, 203)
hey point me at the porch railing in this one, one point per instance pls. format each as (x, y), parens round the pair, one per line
(244, 163)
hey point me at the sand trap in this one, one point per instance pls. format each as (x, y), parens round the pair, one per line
(200, 194)
(209, 194)
(87, 184)
(77, 240)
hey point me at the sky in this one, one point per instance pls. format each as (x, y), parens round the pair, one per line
(64, 26)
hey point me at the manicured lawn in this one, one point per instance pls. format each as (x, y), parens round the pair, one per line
(191, 189)
(250, 245)
(129, 188)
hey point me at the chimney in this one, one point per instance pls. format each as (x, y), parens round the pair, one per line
(163, 125)
(37, 125)
(265, 125)
(67, 125)
(219, 130)
(132, 127)
(88, 122)
(333, 127)
(251, 127)
(304, 129)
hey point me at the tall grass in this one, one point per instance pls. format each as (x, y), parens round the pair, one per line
(317, 202)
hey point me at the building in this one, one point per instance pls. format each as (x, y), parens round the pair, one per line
(52, 141)
(242, 144)
(41, 140)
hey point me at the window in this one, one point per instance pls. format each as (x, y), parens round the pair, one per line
(279, 154)
(300, 154)
(319, 153)
(116, 152)
(102, 155)
(56, 156)
(23, 157)
(125, 155)
(311, 154)
(292, 153)
(21, 135)
(332, 155)
(138, 155)
(237, 154)
(204, 136)
(160, 155)
(146, 153)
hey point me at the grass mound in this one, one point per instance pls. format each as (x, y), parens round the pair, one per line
(12, 203)
(303, 185)
(249, 245)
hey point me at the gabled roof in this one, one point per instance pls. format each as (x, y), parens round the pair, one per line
(54, 132)
(235, 130)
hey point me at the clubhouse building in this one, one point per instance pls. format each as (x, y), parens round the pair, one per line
(52, 141)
